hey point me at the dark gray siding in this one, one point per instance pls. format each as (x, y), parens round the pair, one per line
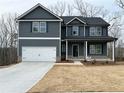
(63, 32)
(81, 48)
(81, 31)
(25, 30)
(87, 31)
(39, 13)
(78, 23)
(105, 31)
(39, 43)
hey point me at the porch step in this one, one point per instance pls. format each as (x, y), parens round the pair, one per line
(77, 62)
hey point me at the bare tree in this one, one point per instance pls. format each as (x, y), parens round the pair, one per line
(87, 10)
(116, 25)
(59, 8)
(120, 3)
(70, 10)
(8, 32)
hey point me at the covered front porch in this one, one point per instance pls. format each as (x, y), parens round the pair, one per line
(88, 50)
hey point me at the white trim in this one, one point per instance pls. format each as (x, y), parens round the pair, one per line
(38, 20)
(107, 49)
(77, 19)
(35, 8)
(60, 39)
(84, 31)
(86, 49)
(113, 51)
(66, 49)
(18, 41)
(44, 38)
(72, 49)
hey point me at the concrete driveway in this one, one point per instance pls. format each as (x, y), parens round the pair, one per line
(21, 77)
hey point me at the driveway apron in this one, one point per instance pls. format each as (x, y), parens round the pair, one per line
(21, 77)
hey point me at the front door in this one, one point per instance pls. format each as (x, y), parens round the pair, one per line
(75, 50)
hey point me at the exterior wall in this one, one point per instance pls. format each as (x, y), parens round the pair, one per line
(40, 43)
(39, 13)
(25, 30)
(69, 31)
(53, 30)
(87, 31)
(63, 32)
(81, 48)
(105, 31)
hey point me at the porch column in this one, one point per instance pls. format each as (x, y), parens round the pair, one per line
(84, 31)
(107, 49)
(113, 51)
(66, 49)
(86, 49)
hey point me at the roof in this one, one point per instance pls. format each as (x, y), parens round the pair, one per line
(87, 20)
(98, 38)
(38, 5)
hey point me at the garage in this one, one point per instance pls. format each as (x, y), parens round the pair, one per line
(39, 54)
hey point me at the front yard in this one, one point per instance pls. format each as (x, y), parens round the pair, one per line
(68, 78)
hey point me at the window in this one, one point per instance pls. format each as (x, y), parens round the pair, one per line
(99, 31)
(75, 30)
(96, 49)
(92, 31)
(42, 27)
(95, 31)
(35, 27)
(39, 27)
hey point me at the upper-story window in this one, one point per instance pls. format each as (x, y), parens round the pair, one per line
(95, 31)
(39, 27)
(75, 30)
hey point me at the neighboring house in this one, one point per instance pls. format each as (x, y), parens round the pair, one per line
(44, 36)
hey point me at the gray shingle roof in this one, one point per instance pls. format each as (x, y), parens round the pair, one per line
(97, 38)
(88, 20)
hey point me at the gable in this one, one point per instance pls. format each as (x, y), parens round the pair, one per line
(76, 21)
(39, 12)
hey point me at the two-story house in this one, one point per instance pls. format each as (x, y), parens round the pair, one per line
(45, 36)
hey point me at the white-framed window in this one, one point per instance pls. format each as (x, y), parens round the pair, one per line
(95, 49)
(75, 30)
(39, 27)
(95, 31)
(35, 26)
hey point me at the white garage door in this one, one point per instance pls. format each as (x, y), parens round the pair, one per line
(38, 53)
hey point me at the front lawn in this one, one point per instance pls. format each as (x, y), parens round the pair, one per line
(68, 78)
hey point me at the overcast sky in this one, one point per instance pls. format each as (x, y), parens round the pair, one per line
(20, 6)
